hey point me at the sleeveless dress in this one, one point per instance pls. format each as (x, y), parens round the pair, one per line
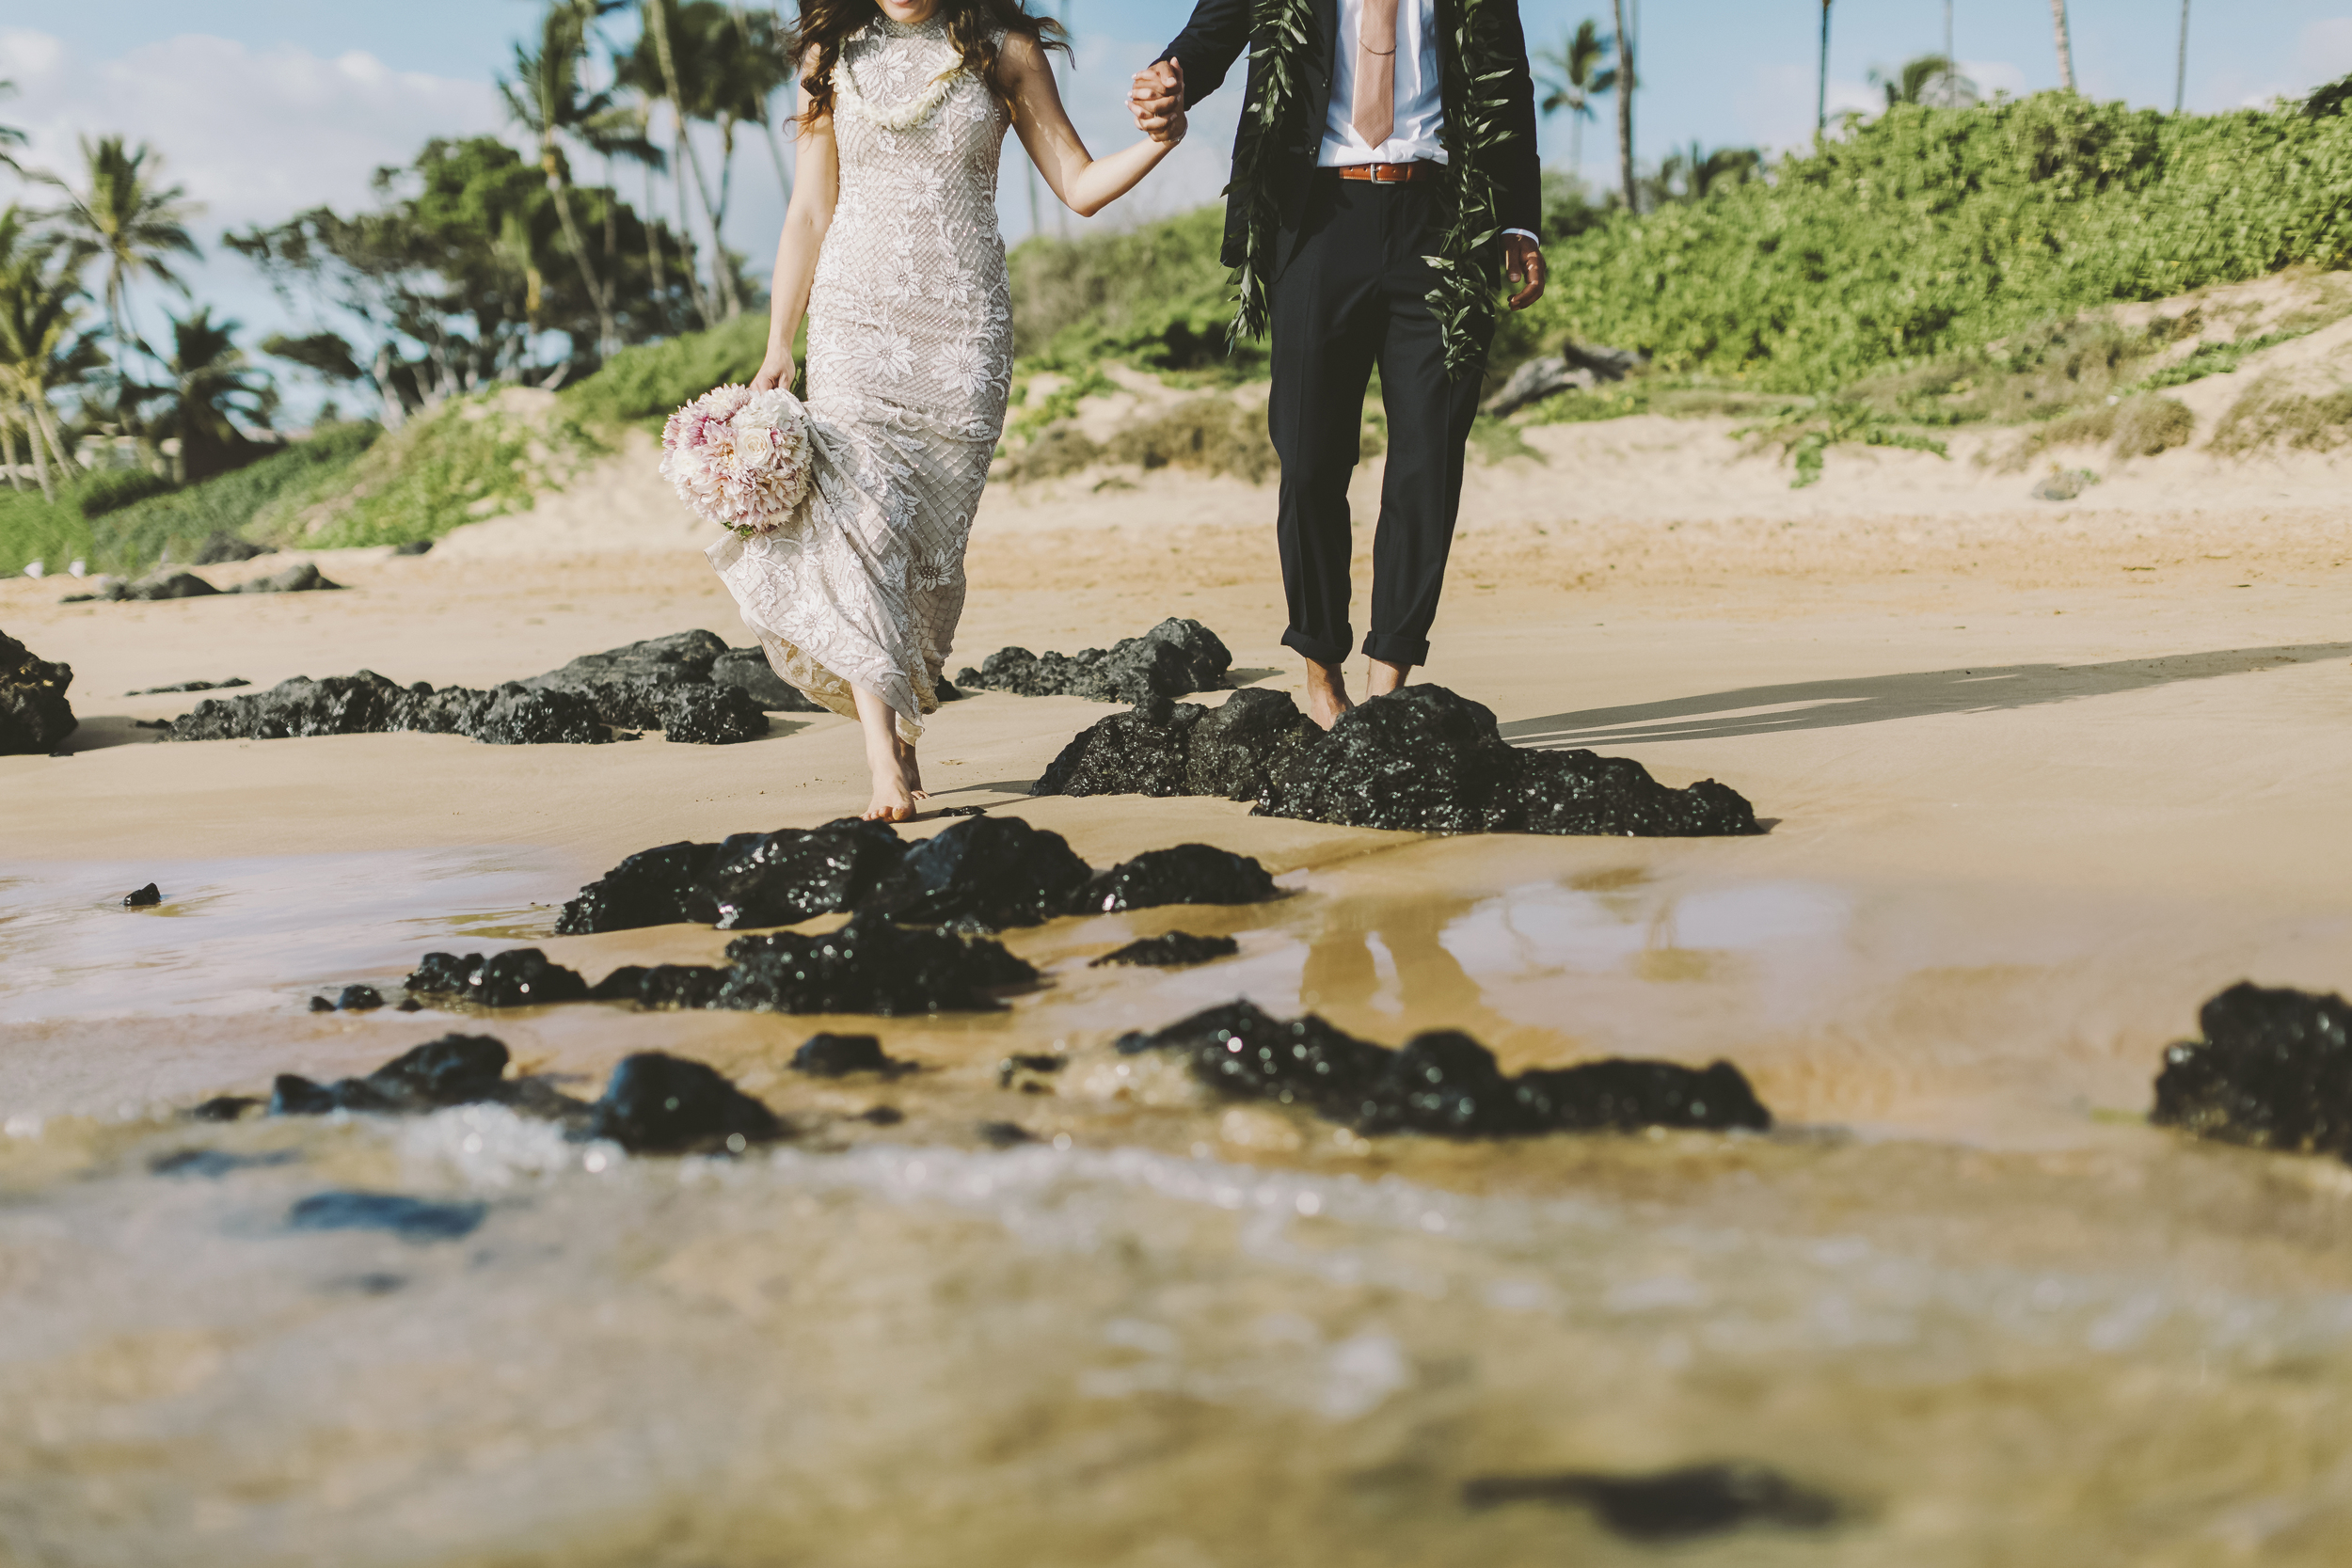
(910, 364)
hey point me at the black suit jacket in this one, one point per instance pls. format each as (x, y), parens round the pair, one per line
(1220, 29)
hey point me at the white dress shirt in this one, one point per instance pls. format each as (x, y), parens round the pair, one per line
(1414, 134)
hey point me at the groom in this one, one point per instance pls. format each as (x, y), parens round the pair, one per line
(1385, 170)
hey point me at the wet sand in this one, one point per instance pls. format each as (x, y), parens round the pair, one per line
(2041, 780)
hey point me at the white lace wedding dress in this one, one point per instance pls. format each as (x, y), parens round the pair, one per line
(910, 362)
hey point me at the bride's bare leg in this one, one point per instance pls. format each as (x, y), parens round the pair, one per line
(894, 802)
(908, 769)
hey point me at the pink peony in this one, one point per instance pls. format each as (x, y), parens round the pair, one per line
(739, 458)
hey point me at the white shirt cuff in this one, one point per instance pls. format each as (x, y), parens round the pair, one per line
(1535, 240)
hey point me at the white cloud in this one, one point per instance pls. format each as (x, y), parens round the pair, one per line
(253, 134)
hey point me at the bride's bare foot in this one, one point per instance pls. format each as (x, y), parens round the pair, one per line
(909, 770)
(893, 800)
(1326, 693)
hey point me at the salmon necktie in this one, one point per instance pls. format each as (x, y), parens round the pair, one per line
(1374, 111)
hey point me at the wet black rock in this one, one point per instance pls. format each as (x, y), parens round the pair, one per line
(215, 1163)
(1442, 1083)
(301, 578)
(412, 1219)
(751, 879)
(414, 546)
(2273, 1070)
(143, 898)
(682, 658)
(838, 1055)
(1164, 747)
(224, 1107)
(1426, 760)
(34, 713)
(689, 685)
(662, 1104)
(982, 873)
(189, 686)
(882, 1116)
(1174, 950)
(167, 585)
(359, 999)
(1005, 1135)
(367, 704)
(1185, 873)
(518, 977)
(870, 966)
(223, 548)
(455, 1069)
(1670, 1505)
(321, 1005)
(663, 985)
(1173, 658)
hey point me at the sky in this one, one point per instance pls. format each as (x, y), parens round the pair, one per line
(262, 107)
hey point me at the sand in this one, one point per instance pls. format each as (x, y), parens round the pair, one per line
(2041, 776)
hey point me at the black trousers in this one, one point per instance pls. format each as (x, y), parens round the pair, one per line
(1352, 295)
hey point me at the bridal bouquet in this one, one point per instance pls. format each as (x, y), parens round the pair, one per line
(739, 458)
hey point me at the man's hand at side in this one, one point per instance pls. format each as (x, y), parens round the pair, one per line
(1523, 264)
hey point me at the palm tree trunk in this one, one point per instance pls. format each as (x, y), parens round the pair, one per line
(730, 299)
(2065, 49)
(658, 22)
(7, 447)
(607, 331)
(686, 232)
(41, 458)
(776, 151)
(45, 420)
(2180, 72)
(1821, 99)
(1624, 110)
(1575, 139)
(653, 237)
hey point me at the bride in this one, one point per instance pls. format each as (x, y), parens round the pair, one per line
(890, 248)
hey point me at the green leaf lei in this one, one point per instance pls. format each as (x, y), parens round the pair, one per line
(1473, 89)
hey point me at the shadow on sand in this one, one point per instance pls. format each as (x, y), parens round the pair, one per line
(1874, 699)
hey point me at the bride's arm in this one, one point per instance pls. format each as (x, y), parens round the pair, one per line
(816, 183)
(1085, 183)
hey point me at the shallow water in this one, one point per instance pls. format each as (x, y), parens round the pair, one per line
(1962, 1291)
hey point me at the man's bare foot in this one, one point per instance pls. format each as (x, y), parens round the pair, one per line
(1326, 693)
(1381, 678)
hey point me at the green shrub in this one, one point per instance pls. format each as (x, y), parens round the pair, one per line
(2267, 415)
(1155, 294)
(468, 459)
(111, 489)
(2147, 425)
(1210, 435)
(33, 530)
(247, 502)
(650, 380)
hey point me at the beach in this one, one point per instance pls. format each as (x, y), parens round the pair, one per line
(2040, 777)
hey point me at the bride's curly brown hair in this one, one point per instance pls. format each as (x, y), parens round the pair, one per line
(826, 25)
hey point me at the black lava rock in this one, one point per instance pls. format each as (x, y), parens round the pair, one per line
(34, 713)
(231, 682)
(1174, 950)
(224, 1107)
(663, 1104)
(682, 658)
(1005, 1135)
(783, 877)
(748, 671)
(412, 1219)
(2274, 1071)
(838, 1055)
(367, 704)
(648, 889)
(359, 999)
(1186, 874)
(688, 715)
(518, 977)
(670, 985)
(223, 548)
(168, 585)
(1671, 1505)
(870, 966)
(1173, 658)
(982, 873)
(689, 685)
(214, 1163)
(1425, 760)
(302, 577)
(1164, 747)
(143, 898)
(455, 1069)
(1442, 1083)
(413, 546)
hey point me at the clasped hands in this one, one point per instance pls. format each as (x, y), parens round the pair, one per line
(1156, 99)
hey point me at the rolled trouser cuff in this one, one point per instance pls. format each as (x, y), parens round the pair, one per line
(1402, 652)
(1314, 647)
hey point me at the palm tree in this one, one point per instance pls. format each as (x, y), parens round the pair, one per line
(10, 136)
(41, 346)
(2065, 48)
(2180, 72)
(762, 41)
(688, 92)
(212, 384)
(125, 220)
(1925, 79)
(1572, 76)
(546, 99)
(1624, 86)
(1820, 97)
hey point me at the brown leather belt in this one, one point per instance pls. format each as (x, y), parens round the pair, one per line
(1389, 174)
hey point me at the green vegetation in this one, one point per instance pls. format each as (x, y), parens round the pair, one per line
(2269, 414)
(1154, 296)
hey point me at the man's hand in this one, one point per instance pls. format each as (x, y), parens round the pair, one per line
(1524, 263)
(1156, 99)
